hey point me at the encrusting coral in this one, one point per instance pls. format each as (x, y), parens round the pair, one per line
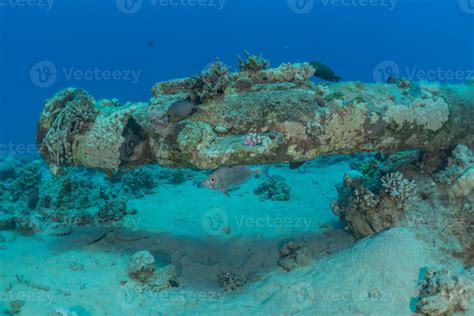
(274, 188)
(444, 293)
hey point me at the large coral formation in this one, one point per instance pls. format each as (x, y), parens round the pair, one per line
(65, 116)
(444, 293)
(296, 119)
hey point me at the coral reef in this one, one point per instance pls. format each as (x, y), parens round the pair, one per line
(112, 212)
(297, 120)
(252, 63)
(252, 139)
(399, 188)
(139, 182)
(374, 197)
(274, 188)
(67, 114)
(444, 293)
(141, 266)
(293, 254)
(230, 281)
(212, 81)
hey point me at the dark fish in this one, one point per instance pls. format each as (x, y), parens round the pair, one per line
(296, 164)
(393, 79)
(324, 72)
(151, 44)
(228, 177)
(180, 110)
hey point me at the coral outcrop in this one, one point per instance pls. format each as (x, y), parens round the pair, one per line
(141, 266)
(444, 293)
(292, 118)
(374, 197)
(293, 254)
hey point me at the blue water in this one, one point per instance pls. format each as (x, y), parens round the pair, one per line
(87, 35)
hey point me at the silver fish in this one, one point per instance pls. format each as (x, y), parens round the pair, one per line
(225, 178)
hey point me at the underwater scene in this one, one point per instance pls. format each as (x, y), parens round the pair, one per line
(236, 157)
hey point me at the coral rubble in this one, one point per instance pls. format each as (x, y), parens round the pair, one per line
(444, 293)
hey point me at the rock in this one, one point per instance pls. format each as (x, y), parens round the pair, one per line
(141, 266)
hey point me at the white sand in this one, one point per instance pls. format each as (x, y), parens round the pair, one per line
(182, 225)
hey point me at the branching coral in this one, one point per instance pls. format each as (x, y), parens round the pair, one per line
(368, 202)
(212, 81)
(252, 63)
(399, 188)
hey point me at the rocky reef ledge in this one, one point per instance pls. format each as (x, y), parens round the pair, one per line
(254, 116)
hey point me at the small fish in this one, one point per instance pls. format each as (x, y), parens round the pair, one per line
(228, 177)
(151, 44)
(180, 110)
(324, 72)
